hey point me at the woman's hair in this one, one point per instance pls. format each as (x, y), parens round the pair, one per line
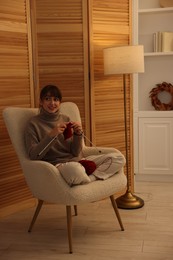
(50, 90)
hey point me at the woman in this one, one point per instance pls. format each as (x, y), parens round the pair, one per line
(51, 136)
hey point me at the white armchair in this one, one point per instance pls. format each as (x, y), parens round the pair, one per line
(44, 179)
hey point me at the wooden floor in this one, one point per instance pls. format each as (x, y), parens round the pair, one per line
(96, 234)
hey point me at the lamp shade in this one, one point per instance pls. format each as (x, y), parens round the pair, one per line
(123, 59)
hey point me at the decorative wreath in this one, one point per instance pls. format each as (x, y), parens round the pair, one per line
(164, 86)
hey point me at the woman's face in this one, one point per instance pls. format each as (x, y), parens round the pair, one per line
(50, 104)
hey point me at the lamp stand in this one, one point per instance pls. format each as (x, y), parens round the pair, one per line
(128, 200)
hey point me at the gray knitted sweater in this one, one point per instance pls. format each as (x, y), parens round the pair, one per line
(40, 146)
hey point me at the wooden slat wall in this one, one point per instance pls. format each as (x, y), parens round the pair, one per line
(62, 49)
(110, 25)
(15, 91)
(62, 27)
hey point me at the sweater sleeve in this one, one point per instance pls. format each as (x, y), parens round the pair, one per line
(36, 149)
(77, 144)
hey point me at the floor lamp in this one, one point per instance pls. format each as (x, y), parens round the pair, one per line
(125, 60)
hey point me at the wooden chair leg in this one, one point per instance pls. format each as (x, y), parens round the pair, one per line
(114, 205)
(69, 228)
(75, 210)
(40, 203)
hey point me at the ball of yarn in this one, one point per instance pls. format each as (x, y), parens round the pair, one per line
(89, 166)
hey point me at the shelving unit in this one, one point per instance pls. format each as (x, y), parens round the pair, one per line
(153, 130)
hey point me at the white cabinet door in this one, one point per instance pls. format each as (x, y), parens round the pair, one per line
(156, 145)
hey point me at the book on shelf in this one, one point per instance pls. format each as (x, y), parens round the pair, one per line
(163, 41)
(167, 41)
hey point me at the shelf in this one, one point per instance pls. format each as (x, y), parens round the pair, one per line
(148, 54)
(155, 114)
(156, 10)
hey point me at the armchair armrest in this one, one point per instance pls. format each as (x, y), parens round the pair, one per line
(87, 150)
(44, 180)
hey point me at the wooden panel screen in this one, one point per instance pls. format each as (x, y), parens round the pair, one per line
(62, 49)
(110, 25)
(61, 27)
(15, 91)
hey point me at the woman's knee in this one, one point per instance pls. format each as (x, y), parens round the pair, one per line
(74, 173)
(118, 158)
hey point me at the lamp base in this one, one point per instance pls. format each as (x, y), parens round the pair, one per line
(129, 201)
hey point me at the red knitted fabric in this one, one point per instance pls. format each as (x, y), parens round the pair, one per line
(89, 166)
(68, 131)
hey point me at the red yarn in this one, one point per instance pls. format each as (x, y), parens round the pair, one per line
(68, 131)
(89, 166)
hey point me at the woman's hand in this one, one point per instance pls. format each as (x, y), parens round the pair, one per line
(77, 128)
(58, 129)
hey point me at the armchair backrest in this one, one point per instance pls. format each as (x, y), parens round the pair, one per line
(16, 119)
